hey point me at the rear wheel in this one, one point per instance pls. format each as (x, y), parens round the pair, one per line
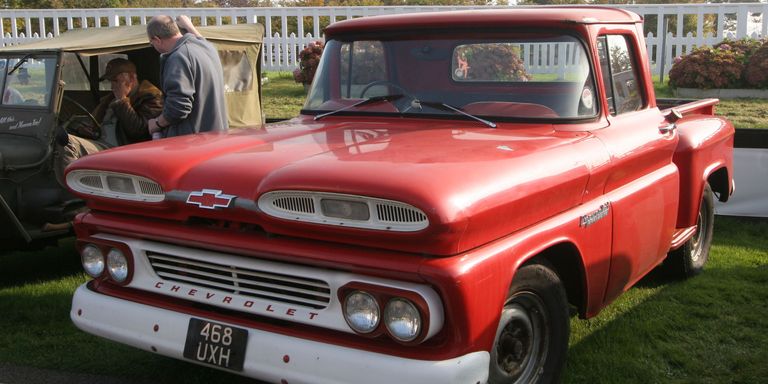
(689, 259)
(532, 336)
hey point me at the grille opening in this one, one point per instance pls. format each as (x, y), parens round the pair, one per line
(295, 290)
(295, 204)
(92, 181)
(224, 224)
(150, 188)
(397, 214)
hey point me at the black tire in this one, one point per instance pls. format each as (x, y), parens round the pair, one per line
(532, 337)
(689, 260)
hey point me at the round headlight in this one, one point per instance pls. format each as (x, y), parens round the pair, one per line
(93, 260)
(117, 265)
(361, 311)
(402, 319)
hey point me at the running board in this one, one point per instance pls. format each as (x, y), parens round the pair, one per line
(681, 236)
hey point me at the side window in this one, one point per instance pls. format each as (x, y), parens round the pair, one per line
(76, 78)
(619, 74)
(362, 63)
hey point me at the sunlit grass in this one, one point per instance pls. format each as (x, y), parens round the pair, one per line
(709, 329)
(283, 97)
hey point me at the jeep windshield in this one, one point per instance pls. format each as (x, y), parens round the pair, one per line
(27, 80)
(497, 76)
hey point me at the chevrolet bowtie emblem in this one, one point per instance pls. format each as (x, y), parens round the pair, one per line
(210, 199)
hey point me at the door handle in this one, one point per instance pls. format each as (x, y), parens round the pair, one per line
(669, 128)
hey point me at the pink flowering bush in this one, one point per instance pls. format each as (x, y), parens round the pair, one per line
(723, 66)
(744, 46)
(309, 59)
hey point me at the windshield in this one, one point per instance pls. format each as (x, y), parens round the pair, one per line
(499, 76)
(26, 80)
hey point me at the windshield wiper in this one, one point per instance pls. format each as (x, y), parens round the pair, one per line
(374, 99)
(444, 106)
(20, 63)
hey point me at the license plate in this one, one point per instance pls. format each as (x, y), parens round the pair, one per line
(216, 344)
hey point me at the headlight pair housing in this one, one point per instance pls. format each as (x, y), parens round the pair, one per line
(372, 310)
(107, 260)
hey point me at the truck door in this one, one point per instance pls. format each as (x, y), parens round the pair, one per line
(642, 183)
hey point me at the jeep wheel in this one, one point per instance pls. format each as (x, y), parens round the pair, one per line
(689, 259)
(532, 336)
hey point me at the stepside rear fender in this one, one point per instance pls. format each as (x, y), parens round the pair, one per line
(705, 147)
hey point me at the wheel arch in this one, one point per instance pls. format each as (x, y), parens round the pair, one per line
(719, 181)
(566, 261)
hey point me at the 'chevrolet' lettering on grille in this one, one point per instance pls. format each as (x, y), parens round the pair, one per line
(210, 199)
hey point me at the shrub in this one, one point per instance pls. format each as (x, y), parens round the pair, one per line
(707, 67)
(756, 73)
(745, 46)
(728, 64)
(309, 59)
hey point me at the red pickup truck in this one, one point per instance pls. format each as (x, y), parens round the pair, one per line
(456, 186)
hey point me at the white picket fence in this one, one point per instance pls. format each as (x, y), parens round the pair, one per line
(281, 45)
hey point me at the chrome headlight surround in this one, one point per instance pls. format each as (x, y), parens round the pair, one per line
(343, 210)
(117, 265)
(92, 259)
(115, 185)
(402, 319)
(361, 311)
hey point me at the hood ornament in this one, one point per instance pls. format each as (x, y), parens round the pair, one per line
(210, 199)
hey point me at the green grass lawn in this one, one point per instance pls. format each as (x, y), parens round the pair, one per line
(710, 329)
(283, 97)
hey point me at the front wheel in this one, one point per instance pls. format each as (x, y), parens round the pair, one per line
(532, 337)
(689, 259)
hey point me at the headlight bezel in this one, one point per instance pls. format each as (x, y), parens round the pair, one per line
(383, 295)
(105, 247)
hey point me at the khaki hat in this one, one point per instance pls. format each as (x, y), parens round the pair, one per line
(116, 67)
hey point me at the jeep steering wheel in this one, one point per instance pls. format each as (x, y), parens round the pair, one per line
(402, 105)
(71, 115)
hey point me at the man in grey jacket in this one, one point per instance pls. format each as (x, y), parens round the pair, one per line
(191, 77)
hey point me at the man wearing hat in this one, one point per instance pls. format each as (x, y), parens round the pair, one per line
(122, 114)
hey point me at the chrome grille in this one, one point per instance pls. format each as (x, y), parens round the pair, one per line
(150, 188)
(92, 181)
(298, 204)
(295, 290)
(399, 214)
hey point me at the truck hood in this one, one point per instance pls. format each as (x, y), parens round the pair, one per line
(475, 184)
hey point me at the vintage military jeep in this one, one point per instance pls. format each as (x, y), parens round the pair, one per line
(49, 83)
